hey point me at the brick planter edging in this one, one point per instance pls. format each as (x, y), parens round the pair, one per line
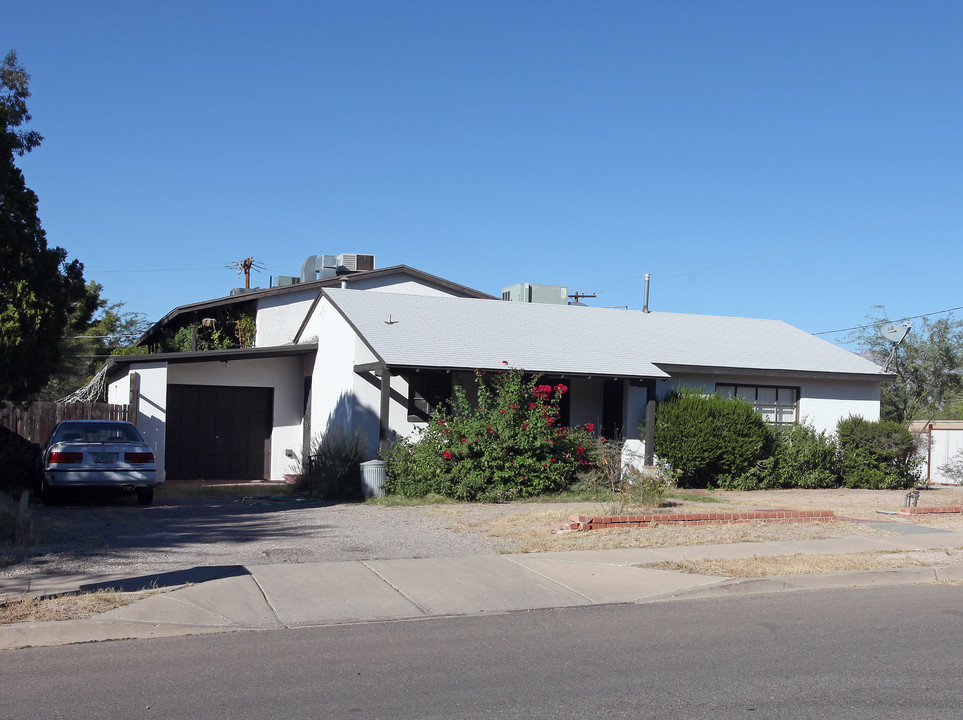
(948, 509)
(591, 522)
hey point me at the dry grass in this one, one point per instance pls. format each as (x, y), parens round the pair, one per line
(526, 530)
(757, 566)
(66, 607)
(532, 527)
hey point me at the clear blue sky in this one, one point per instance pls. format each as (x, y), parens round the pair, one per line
(793, 160)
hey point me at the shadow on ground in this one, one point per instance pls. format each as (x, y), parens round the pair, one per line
(107, 524)
(168, 579)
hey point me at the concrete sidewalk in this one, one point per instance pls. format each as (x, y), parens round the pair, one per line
(278, 596)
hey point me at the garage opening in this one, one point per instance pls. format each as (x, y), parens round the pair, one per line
(218, 432)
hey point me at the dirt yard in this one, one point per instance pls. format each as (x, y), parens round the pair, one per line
(118, 536)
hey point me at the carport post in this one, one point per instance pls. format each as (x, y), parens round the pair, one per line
(385, 409)
(649, 432)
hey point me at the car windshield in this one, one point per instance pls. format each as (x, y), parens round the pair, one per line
(82, 432)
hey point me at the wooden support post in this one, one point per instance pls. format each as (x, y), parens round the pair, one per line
(650, 432)
(383, 415)
(133, 399)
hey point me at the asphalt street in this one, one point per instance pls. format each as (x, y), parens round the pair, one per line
(866, 653)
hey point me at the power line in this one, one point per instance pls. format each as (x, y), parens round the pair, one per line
(152, 268)
(869, 325)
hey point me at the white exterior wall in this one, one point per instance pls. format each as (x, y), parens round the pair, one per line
(279, 317)
(635, 399)
(284, 375)
(822, 403)
(152, 409)
(402, 285)
(334, 401)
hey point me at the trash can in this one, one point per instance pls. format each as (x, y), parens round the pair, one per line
(373, 476)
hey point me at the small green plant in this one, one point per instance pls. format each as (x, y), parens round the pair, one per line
(954, 467)
(332, 469)
(506, 446)
(647, 488)
(620, 485)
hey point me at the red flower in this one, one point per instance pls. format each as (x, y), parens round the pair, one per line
(448, 454)
(552, 460)
(590, 427)
(464, 439)
(501, 412)
(550, 420)
(542, 391)
(579, 449)
(561, 389)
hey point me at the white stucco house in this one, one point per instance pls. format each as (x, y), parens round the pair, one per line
(378, 350)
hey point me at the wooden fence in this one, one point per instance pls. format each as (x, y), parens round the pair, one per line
(35, 421)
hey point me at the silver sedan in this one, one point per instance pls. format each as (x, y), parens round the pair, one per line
(96, 454)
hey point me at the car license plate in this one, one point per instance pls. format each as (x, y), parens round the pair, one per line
(104, 457)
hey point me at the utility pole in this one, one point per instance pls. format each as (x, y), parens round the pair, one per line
(579, 295)
(245, 266)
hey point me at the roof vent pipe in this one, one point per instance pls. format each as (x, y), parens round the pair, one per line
(645, 301)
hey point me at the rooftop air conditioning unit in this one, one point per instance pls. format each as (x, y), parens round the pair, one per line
(315, 265)
(526, 292)
(352, 262)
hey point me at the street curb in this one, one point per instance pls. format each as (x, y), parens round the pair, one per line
(97, 629)
(847, 579)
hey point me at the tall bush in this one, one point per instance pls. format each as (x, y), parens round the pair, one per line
(17, 458)
(708, 439)
(507, 445)
(798, 457)
(878, 455)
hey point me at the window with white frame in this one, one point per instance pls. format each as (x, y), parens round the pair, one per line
(777, 405)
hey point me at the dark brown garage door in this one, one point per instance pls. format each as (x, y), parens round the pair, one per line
(218, 432)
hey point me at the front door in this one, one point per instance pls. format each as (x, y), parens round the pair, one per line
(613, 409)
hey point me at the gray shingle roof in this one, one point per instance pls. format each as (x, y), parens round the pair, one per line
(431, 331)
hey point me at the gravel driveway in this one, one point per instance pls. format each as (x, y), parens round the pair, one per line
(115, 535)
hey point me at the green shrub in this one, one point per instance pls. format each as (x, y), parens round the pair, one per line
(506, 446)
(877, 455)
(709, 440)
(333, 468)
(797, 457)
(16, 524)
(17, 458)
